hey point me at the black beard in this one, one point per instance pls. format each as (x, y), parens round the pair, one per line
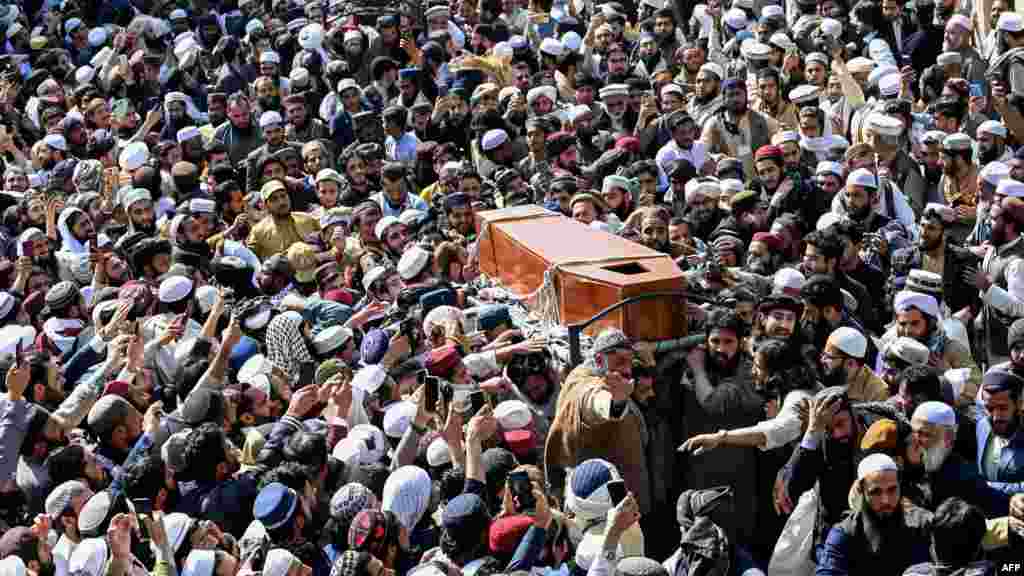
(932, 175)
(860, 213)
(702, 100)
(145, 228)
(990, 155)
(836, 377)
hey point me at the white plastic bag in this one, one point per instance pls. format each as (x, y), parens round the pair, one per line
(792, 554)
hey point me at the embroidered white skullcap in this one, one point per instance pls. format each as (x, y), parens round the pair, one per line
(908, 349)
(278, 563)
(133, 156)
(548, 92)
(959, 20)
(889, 85)
(175, 288)
(885, 125)
(906, 299)
(56, 141)
(552, 47)
(493, 138)
(875, 463)
(383, 224)
(614, 90)
(397, 418)
(270, 57)
(1010, 22)
(781, 40)
(412, 262)
(883, 69)
(188, 133)
(772, 11)
(85, 74)
(513, 415)
(993, 127)
(826, 220)
(1009, 187)
(994, 172)
(860, 64)
(849, 341)
(937, 413)
(98, 36)
(831, 27)
(949, 58)
(827, 167)
(730, 186)
(270, 118)
(788, 281)
(437, 453)
(311, 36)
(713, 68)
(736, 18)
(862, 177)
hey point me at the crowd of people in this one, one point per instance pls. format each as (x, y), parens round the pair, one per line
(244, 331)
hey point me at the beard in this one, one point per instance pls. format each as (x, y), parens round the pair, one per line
(990, 154)
(932, 175)
(998, 236)
(934, 457)
(759, 266)
(702, 216)
(834, 377)
(886, 520)
(860, 213)
(721, 363)
(816, 332)
(1005, 428)
(929, 245)
(703, 99)
(148, 227)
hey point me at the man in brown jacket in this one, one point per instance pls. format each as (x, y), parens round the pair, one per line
(592, 420)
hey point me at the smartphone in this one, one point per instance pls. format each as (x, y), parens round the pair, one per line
(476, 401)
(432, 390)
(617, 491)
(143, 506)
(307, 373)
(28, 248)
(977, 89)
(522, 491)
(19, 354)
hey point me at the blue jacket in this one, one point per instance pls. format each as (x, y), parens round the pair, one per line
(848, 550)
(1010, 475)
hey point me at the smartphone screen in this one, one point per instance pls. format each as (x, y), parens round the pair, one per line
(307, 374)
(432, 390)
(522, 491)
(617, 491)
(476, 402)
(142, 506)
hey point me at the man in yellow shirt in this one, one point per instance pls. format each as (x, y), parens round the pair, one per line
(281, 227)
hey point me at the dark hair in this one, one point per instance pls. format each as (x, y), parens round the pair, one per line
(827, 244)
(144, 478)
(65, 464)
(292, 474)
(957, 531)
(769, 73)
(852, 231)
(307, 448)
(921, 380)
(665, 13)
(724, 319)
(204, 450)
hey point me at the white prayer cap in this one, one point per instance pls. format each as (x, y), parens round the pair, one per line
(1010, 22)
(827, 167)
(613, 90)
(875, 463)
(187, 133)
(736, 18)
(279, 562)
(331, 339)
(883, 69)
(860, 64)
(548, 92)
(933, 137)
(949, 58)
(849, 341)
(831, 27)
(202, 206)
(571, 41)
(98, 36)
(270, 118)
(994, 172)
(908, 349)
(175, 288)
(826, 220)
(412, 262)
(552, 47)
(730, 186)
(56, 141)
(513, 415)
(11, 334)
(772, 11)
(1010, 187)
(311, 36)
(437, 453)
(713, 68)
(788, 281)
(206, 297)
(374, 439)
(862, 177)
(493, 138)
(946, 213)
(937, 413)
(907, 299)
(270, 57)
(133, 195)
(133, 156)
(383, 224)
(85, 74)
(397, 418)
(885, 125)
(993, 127)
(889, 85)
(671, 88)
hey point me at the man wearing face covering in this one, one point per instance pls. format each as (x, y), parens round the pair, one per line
(881, 534)
(176, 115)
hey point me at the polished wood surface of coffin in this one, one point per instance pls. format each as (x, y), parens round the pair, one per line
(520, 244)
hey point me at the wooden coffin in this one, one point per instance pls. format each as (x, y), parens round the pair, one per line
(517, 246)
